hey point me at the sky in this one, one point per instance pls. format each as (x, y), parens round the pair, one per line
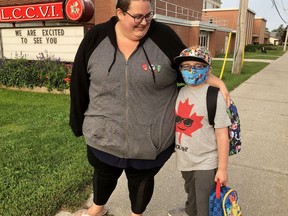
(265, 9)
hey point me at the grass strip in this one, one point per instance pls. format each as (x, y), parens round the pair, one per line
(232, 80)
(43, 166)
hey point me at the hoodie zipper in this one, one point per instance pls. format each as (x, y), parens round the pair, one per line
(126, 111)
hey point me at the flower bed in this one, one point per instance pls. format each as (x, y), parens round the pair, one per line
(45, 73)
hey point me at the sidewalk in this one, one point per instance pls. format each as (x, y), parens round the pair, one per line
(259, 173)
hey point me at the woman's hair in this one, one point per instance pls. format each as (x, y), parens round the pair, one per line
(124, 4)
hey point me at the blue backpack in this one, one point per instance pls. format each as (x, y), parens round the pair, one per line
(234, 129)
(223, 201)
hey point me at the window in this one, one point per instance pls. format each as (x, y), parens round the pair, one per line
(204, 39)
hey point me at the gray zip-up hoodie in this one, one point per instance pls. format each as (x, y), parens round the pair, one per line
(126, 108)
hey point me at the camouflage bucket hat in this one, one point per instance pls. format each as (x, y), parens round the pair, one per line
(194, 53)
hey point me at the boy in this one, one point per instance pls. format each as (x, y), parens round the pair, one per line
(201, 152)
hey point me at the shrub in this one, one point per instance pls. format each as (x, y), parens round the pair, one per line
(44, 72)
(251, 48)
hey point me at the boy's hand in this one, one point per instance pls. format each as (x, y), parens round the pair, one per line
(226, 95)
(215, 81)
(222, 175)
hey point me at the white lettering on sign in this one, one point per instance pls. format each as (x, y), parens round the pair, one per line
(14, 13)
(31, 14)
(44, 14)
(45, 11)
(30, 42)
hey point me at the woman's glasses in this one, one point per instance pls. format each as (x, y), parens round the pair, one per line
(139, 18)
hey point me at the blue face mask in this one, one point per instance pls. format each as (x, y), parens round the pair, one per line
(193, 76)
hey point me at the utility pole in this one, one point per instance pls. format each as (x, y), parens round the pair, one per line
(286, 38)
(240, 37)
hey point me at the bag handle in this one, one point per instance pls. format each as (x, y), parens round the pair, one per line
(218, 186)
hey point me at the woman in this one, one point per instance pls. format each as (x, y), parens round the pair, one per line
(123, 93)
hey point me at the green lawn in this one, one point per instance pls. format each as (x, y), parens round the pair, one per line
(271, 54)
(232, 80)
(43, 166)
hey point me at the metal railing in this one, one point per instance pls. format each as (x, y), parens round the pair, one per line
(173, 10)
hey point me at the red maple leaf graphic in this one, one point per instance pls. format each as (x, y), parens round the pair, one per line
(186, 123)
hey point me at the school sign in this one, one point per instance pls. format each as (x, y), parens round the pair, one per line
(75, 10)
(57, 42)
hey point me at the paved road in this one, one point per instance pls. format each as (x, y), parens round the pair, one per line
(259, 173)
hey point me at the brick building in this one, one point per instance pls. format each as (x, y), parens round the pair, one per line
(28, 37)
(260, 35)
(255, 29)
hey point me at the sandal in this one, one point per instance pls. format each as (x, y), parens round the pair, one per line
(103, 213)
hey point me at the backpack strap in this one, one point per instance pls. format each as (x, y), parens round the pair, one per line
(211, 102)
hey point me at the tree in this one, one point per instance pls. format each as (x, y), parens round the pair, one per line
(279, 30)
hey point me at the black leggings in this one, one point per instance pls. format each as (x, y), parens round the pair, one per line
(140, 183)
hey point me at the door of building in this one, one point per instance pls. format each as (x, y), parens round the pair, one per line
(204, 39)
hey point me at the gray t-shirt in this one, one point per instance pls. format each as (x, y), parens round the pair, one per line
(196, 147)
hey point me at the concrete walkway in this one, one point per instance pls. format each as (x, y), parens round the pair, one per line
(259, 173)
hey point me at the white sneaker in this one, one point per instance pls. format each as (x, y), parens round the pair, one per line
(177, 212)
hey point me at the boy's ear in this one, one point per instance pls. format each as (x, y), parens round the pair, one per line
(210, 70)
